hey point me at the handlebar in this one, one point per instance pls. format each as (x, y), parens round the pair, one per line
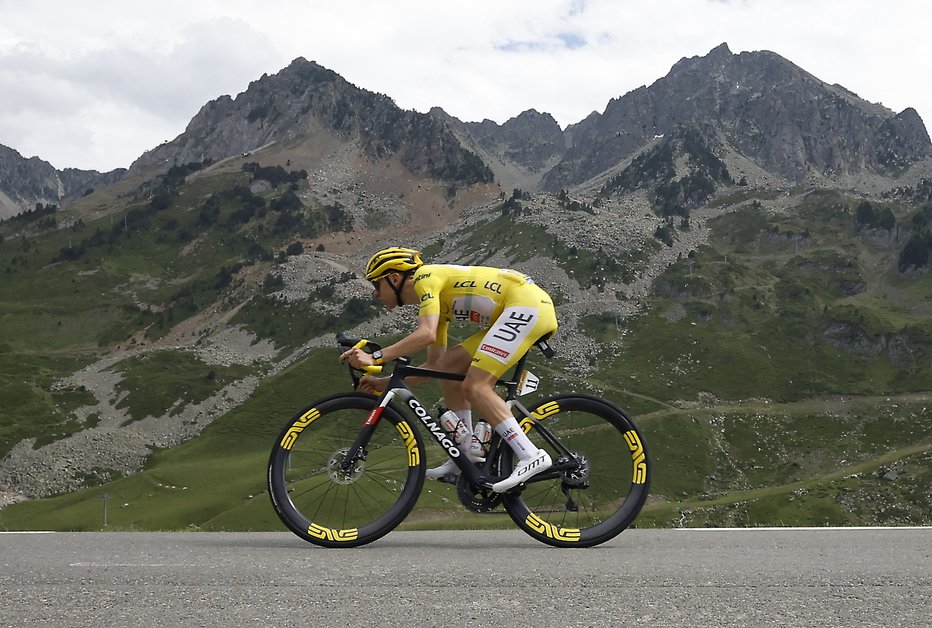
(346, 342)
(359, 343)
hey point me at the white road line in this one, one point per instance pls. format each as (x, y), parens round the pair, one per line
(803, 528)
(27, 532)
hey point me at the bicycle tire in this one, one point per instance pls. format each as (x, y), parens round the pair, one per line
(327, 508)
(566, 511)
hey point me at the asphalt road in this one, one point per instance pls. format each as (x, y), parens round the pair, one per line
(801, 577)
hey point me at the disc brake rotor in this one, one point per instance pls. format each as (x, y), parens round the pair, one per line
(335, 468)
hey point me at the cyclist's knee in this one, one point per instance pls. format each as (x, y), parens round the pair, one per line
(478, 384)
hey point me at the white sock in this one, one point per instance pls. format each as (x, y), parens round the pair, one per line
(466, 417)
(512, 434)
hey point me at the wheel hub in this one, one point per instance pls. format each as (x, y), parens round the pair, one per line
(578, 477)
(336, 471)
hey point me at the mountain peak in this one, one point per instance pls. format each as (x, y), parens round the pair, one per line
(775, 113)
(719, 52)
(305, 100)
(28, 182)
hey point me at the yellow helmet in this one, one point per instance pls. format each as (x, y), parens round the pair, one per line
(392, 259)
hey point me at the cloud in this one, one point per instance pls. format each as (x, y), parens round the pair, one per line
(93, 84)
(102, 98)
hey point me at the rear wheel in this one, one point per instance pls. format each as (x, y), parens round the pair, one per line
(332, 506)
(593, 493)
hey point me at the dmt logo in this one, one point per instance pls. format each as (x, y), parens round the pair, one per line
(329, 534)
(638, 456)
(298, 426)
(548, 529)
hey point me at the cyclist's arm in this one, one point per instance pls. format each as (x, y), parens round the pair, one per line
(423, 336)
(377, 384)
(434, 353)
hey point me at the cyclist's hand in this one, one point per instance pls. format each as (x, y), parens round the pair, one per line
(357, 358)
(370, 384)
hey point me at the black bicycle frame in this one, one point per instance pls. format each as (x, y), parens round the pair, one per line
(397, 388)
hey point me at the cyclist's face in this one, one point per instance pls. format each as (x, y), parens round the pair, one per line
(384, 293)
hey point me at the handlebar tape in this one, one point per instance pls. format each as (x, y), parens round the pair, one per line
(374, 369)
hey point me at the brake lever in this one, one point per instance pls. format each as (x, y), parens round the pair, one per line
(344, 342)
(373, 369)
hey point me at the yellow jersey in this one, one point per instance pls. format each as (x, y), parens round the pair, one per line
(481, 295)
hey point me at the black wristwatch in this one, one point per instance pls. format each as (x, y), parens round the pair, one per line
(377, 357)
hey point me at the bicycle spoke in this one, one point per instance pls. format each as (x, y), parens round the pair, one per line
(596, 497)
(325, 502)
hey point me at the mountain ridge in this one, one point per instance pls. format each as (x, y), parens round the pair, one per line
(787, 131)
(27, 183)
(685, 267)
(784, 119)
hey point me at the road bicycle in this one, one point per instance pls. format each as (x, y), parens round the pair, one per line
(348, 469)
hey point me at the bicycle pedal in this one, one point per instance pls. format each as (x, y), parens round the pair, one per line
(450, 478)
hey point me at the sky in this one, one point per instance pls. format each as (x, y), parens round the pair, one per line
(93, 84)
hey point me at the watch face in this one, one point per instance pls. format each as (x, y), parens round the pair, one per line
(376, 355)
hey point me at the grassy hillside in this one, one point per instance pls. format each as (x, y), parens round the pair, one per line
(780, 372)
(80, 283)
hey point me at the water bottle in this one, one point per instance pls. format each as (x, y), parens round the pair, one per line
(483, 434)
(452, 424)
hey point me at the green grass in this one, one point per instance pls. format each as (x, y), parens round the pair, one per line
(729, 464)
(752, 316)
(31, 407)
(759, 369)
(196, 482)
(855, 495)
(163, 382)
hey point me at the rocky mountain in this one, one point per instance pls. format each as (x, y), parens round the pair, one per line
(739, 254)
(776, 114)
(304, 100)
(519, 152)
(25, 183)
(756, 105)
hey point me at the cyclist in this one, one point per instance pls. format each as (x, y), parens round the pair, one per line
(513, 312)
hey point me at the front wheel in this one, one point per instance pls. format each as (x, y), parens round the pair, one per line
(329, 503)
(597, 488)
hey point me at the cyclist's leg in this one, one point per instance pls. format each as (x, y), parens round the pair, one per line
(456, 360)
(527, 317)
(531, 459)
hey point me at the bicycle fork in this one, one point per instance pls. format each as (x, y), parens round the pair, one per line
(358, 450)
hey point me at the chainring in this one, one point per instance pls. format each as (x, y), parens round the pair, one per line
(476, 499)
